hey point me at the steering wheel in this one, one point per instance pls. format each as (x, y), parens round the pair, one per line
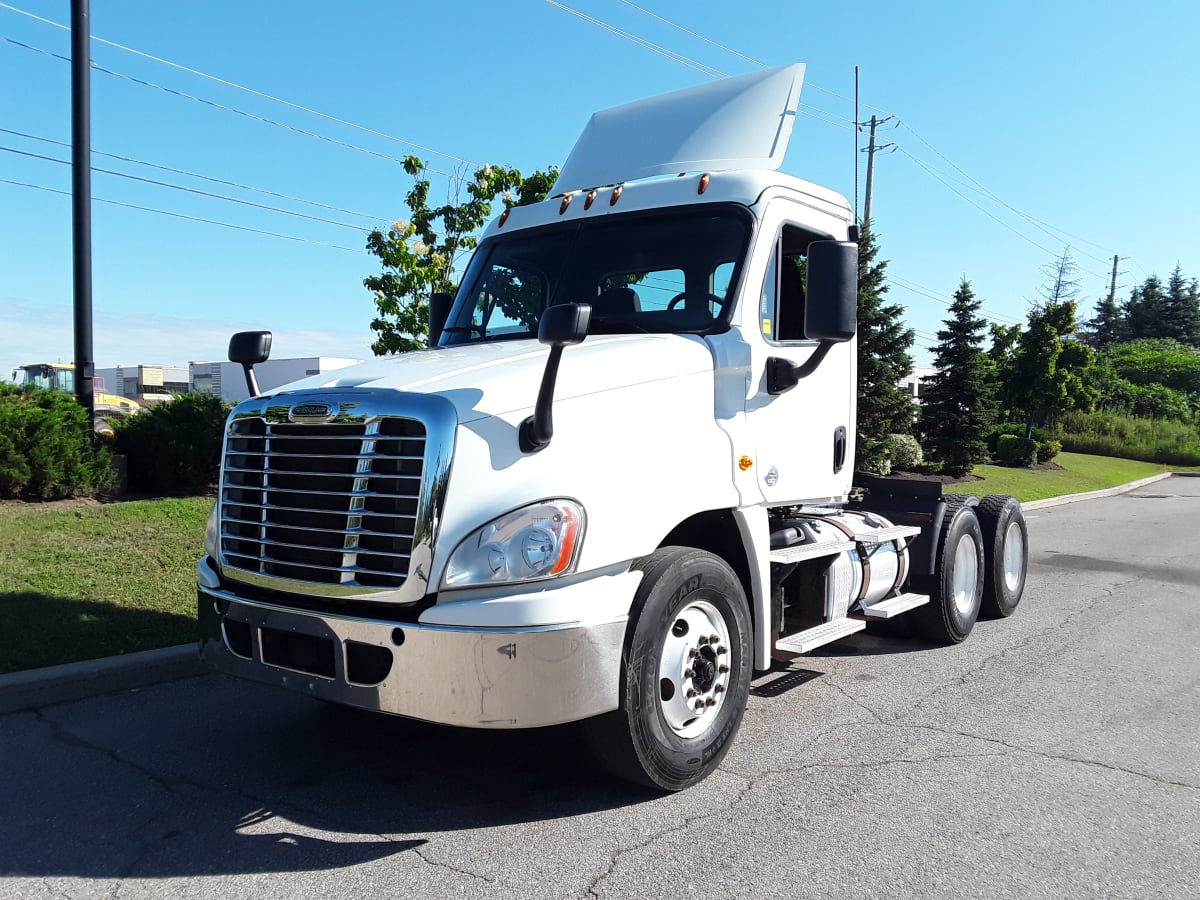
(701, 296)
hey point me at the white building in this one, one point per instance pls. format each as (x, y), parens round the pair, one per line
(914, 381)
(227, 380)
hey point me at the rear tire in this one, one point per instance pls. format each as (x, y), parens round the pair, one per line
(1006, 554)
(682, 693)
(956, 592)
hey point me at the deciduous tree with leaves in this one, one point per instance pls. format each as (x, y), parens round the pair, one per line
(420, 255)
(957, 406)
(884, 408)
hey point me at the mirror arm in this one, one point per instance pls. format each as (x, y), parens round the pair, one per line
(783, 375)
(251, 381)
(538, 429)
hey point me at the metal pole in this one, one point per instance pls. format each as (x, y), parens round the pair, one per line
(81, 200)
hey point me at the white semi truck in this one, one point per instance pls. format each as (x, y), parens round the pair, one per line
(617, 485)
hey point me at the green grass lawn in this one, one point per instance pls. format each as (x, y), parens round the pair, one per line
(82, 582)
(1079, 473)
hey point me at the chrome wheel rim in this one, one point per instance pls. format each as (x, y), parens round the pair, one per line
(966, 575)
(1014, 557)
(693, 669)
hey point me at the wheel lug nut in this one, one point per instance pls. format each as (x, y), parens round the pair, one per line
(693, 653)
(721, 651)
(722, 669)
(715, 639)
(702, 640)
(718, 688)
(688, 673)
(691, 693)
(710, 702)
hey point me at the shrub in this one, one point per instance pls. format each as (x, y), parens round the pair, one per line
(1016, 451)
(1047, 450)
(905, 451)
(1016, 428)
(46, 450)
(173, 446)
(1129, 437)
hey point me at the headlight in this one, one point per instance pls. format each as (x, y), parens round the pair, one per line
(212, 532)
(534, 542)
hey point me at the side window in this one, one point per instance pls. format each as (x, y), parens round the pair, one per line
(784, 305)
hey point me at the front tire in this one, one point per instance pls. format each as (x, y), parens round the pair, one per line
(685, 673)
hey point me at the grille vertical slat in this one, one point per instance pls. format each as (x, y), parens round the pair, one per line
(323, 503)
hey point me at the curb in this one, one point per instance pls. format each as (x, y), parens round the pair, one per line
(1090, 495)
(47, 686)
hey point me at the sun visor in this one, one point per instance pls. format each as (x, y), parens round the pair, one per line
(744, 122)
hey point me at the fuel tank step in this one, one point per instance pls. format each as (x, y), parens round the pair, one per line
(893, 606)
(879, 535)
(802, 552)
(818, 635)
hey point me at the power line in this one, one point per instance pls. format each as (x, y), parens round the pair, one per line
(700, 67)
(180, 187)
(164, 212)
(216, 105)
(208, 178)
(915, 288)
(249, 90)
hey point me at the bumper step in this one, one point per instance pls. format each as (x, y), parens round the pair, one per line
(802, 552)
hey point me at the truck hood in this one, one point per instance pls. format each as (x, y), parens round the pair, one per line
(497, 378)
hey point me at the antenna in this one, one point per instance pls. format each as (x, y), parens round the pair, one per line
(857, 127)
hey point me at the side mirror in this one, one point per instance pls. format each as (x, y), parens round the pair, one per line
(249, 348)
(831, 304)
(439, 311)
(561, 326)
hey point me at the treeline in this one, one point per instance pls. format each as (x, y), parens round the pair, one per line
(1125, 383)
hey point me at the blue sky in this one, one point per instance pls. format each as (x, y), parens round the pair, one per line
(1022, 128)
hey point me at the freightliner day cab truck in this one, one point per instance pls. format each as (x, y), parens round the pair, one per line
(620, 481)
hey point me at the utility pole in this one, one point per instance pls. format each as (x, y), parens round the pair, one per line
(1112, 288)
(81, 200)
(871, 148)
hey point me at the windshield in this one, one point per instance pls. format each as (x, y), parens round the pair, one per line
(672, 272)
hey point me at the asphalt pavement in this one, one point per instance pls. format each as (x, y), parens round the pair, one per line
(1053, 754)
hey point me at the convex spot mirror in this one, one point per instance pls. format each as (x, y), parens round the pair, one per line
(831, 298)
(565, 324)
(250, 347)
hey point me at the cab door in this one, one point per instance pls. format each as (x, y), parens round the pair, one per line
(805, 434)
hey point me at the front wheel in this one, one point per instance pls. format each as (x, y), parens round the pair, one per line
(685, 673)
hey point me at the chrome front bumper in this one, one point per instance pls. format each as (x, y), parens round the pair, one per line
(474, 677)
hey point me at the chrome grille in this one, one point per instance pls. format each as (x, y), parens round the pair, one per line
(324, 503)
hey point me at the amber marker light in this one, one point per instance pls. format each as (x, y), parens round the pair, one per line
(704, 180)
(570, 535)
(503, 218)
(745, 463)
(566, 201)
(589, 199)
(616, 195)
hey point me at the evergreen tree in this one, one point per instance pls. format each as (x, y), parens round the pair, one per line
(1144, 310)
(957, 407)
(1108, 325)
(1048, 370)
(884, 407)
(1181, 310)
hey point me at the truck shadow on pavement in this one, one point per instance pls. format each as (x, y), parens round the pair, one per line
(210, 776)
